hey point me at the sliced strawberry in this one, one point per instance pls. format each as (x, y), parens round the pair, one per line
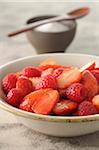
(90, 83)
(41, 101)
(68, 77)
(47, 72)
(57, 72)
(95, 72)
(35, 81)
(48, 61)
(18, 74)
(29, 100)
(46, 103)
(64, 107)
(42, 68)
(24, 85)
(89, 66)
(95, 102)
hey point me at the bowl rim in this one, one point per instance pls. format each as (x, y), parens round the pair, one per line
(29, 115)
(53, 15)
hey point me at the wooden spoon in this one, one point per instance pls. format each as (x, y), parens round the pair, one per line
(75, 14)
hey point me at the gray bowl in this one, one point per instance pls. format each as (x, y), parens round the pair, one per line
(51, 42)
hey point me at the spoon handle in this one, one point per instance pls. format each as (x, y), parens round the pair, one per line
(38, 23)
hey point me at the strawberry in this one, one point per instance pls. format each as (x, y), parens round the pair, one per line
(18, 74)
(86, 108)
(46, 103)
(90, 83)
(30, 99)
(9, 82)
(64, 107)
(48, 61)
(57, 72)
(55, 66)
(25, 85)
(47, 72)
(96, 68)
(95, 102)
(41, 101)
(68, 77)
(47, 82)
(89, 66)
(35, 81)
(31, 72)
(96, 74)
(76, 92)
(14, 97)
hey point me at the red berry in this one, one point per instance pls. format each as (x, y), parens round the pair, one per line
(96, 74)
(14, 97)
(47, 82)
(9, 82)
(47, 72)
(86, 108)
(40, 101)
(90, 83)
(64, 107)
(76, 92)
(57, 72)
(31, 72)
(25, 85)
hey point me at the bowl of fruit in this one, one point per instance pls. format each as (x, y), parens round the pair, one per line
(55, 94)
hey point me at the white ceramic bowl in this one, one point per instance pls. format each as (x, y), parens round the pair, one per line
(51, 125)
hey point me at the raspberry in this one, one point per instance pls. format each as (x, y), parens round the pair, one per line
(47, 82)
(96, 74)
(31, 72)
(76, 92)
(57, 72)
(86, 108)
(9, 82)
(25, 85)
(14, 97)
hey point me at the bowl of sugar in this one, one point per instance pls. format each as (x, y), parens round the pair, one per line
(52, 37)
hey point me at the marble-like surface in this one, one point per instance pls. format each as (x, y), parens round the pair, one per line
(13, 135)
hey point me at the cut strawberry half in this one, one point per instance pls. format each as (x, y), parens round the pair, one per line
(47, 72)
(90, 83)
(41, 101)
(95, 102)
(88, 66)
(48, 61)
(55, 66)
(35, 81)
(29, 100)
(64, 107)
(68, 77)
(46, 102)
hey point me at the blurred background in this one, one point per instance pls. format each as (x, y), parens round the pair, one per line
(14, 14)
